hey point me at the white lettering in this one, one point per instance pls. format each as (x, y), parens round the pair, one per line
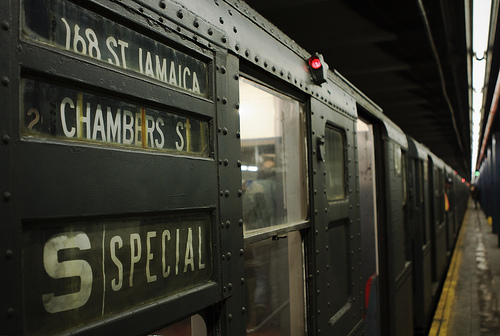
(149, 65)
(159, 144)
(116, 285)
(68, 133)
(114, 126)
(67, 269)
(172, 80)
(196, 85)
(128, 127)
(135, 254)
(200, 264)
(99, 124)
(189, 256)
(186, 71)
(150, 128)
(161, 71)
(123, 45)
(149, 256)
(111, 41)
(181, 138)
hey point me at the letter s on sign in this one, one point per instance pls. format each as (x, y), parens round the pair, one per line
(67, 269)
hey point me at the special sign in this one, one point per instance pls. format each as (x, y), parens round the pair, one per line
(75, 273)
(50, 111)
(67, 26)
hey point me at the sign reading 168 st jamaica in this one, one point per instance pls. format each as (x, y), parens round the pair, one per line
(79, 272)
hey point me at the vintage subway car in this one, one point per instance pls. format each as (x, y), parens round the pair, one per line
(185, 168)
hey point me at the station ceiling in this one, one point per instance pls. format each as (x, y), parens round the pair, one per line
(410, 57)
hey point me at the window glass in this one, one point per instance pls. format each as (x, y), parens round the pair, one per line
(273, 157)
(275, 286)
(335, 164)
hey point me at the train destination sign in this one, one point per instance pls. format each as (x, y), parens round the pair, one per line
(53, 112)
(67, 26)
(76, 273)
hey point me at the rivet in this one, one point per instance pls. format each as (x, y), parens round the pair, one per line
(237, 76)
(226, 193)
(256, 59)
(265, 64)
(196, 24)
(228, 224)
(6, 196)
(9, 254)
(238, 106)
(221, 20)
(235, 29)
(228, 255)
(226, 162)
(141, 9)
(240, 222)
(5, 25)
(220, 162)
(242, 280)
(163, 4)
(238, 135)
(230, 317)
(10, 312)
(210, 31)
(5, 81)
(242, 252)
(224, 39)
(223, 70)
(240, 193)
(224, 100)
(6, 139)
(239, 162)
(180, 15)
(243, 310)
(237, 47)
(230, 286)
(224, 131)
(247, 53)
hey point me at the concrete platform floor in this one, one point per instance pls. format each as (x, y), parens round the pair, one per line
(469, 301)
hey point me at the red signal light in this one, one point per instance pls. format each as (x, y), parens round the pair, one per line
(463, 180)
(318, 69)
(315, 62)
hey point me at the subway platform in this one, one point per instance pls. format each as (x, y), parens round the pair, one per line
(469, 301)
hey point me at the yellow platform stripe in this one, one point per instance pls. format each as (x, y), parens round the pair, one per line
(443, 311)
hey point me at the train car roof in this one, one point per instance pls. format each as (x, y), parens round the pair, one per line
(246, 33)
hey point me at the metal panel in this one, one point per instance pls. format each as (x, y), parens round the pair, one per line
(336, 294)
(120, 213)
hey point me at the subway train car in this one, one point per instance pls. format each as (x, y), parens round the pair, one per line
(184, 168)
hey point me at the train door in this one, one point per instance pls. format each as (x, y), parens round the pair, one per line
(334, 243)
(275, 208)
(369, 231)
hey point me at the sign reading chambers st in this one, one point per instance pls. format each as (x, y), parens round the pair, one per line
(67, 26)
(75, 273)
(53, 112)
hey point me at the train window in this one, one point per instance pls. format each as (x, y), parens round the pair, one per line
(397, 159)
(335, 164)
(273, 158)
(194, 325)
(275, 286)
